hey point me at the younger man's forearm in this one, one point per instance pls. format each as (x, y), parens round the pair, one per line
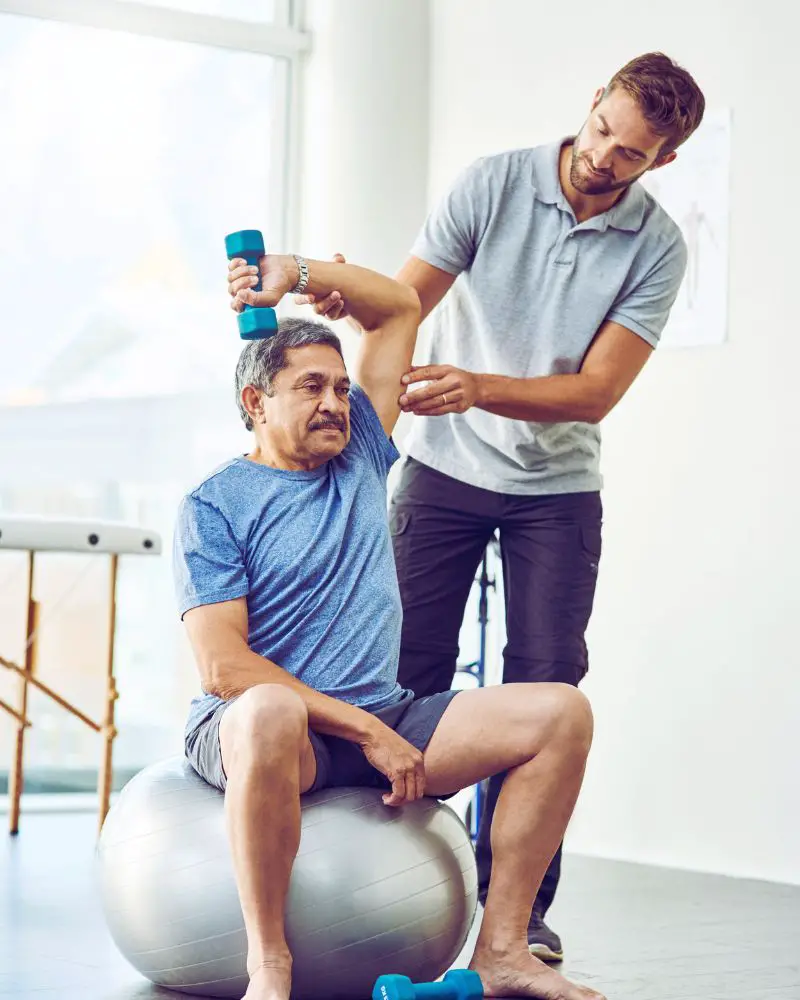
(546, 399)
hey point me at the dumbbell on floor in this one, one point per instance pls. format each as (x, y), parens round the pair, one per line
(458, 984)
(254, 323)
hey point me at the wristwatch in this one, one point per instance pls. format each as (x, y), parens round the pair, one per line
(302, 281)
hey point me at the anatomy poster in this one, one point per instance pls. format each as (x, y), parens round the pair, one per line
(694, 190)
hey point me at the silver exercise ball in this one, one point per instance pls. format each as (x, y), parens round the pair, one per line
(374, 890)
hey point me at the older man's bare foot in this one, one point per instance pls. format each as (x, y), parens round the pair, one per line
(518, 974)
(270, 982)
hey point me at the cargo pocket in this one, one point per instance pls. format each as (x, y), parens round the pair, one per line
(398, 521)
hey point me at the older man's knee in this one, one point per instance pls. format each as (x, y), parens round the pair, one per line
(266, 724)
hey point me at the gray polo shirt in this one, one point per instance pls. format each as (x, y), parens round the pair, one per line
(533, 288)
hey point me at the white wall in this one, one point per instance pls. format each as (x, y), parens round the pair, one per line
(695, 668)
(365, 129)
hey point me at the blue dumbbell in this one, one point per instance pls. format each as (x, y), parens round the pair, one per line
(254, 324)
(459, 984)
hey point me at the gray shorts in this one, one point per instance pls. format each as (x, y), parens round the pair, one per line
(339, 762)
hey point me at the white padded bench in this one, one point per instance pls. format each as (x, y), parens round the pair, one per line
(80, 535)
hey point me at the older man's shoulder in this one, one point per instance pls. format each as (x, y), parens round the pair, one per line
(225, 481)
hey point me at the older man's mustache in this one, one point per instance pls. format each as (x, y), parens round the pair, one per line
(324, 425)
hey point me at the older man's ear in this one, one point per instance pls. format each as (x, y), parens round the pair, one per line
(251, 400)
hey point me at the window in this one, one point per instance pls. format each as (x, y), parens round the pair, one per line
(133, 156)
(245, 10)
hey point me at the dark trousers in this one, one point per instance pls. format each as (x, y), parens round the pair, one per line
(550, 548)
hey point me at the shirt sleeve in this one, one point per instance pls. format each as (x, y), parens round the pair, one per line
(208, 566)
(449, 239)
(645, 307)
(367, 436)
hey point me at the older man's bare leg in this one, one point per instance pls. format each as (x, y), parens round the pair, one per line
(540, 734)
(269, 762)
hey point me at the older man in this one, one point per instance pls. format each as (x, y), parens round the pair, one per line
(288, 590)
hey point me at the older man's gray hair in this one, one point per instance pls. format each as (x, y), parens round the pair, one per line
(261, 360)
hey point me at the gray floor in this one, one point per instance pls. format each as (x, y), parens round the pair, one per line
(636, 933)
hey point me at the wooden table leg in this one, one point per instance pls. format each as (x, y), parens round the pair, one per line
(17, 769)
(106, 774)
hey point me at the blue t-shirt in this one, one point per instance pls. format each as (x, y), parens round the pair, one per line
(312, 553)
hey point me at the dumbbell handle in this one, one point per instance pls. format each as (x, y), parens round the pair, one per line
(435, 991)
(253, 259)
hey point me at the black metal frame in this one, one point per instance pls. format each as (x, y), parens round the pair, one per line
(477, 668)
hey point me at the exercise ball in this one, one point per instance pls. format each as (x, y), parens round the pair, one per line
(374, 890)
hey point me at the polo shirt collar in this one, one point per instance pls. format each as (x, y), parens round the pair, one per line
(627, 214)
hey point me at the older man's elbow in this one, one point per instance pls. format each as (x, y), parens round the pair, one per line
(215, 674)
